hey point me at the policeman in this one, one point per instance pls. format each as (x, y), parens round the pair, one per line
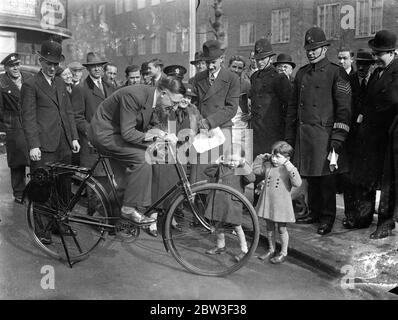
(10, 110)
(317, 121)
(176, 71)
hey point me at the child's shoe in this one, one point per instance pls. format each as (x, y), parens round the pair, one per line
(268, 255)
(280, 258)
(216, 250)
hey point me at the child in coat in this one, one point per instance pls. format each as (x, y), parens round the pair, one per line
(232, 170)
(275, 202)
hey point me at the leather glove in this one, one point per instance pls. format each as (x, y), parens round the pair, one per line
(336, 145)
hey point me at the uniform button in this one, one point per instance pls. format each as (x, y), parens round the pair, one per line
(301, 122)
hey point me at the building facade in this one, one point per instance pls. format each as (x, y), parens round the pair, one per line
(134, 31)
(24, 24)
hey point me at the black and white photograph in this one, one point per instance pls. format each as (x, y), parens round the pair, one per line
(197, 157)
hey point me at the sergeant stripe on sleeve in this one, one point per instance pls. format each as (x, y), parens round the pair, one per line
(343, 87)
(343, 126)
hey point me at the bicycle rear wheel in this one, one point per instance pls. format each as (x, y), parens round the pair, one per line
(81, 228)
(192, 241)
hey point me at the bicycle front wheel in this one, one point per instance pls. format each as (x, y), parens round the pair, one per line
(75, 233)
(213, 234)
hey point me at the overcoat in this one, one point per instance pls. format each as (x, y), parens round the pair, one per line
(85, 100)
(319, 111)
(10, 110)
(221, 206)
(270, 92)
(380, 109)
(45, 112)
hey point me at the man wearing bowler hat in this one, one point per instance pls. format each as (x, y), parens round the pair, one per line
(47, 116)
(218, 92)
(377, 154)
(199, 63)
(10, 109)
(359, 203)
(85, 100)
(317, 124)
(284, 64)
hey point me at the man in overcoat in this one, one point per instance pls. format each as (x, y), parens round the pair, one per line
(218, 91)
(317, 123)
(86, 98)
(10, 112)
(47, 117)
(375, 167)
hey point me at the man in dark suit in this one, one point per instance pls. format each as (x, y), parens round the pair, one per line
(47, 116)
(118, 129)
(218, 91)
(86, 98)
(10, 111)
(375, 151)
(317, 123)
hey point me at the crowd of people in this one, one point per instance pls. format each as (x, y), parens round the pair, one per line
(331, 128)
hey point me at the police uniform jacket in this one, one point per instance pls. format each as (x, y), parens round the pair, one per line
(85, 100)
(10, 111)
(46, 113)
(319, 111)
(270, 92)
(380, 109)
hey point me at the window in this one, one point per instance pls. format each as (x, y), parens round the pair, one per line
(369, 17)
(155, 2)
(247, 34)
(118, 6)
(280, 26)
(329, 20)
(155, 45)
(185, 40)
(140, 4)
(202, 34)
(128, 5)
(130, 47)
(141, 44)
(171, 44)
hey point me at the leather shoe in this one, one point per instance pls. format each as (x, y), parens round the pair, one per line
(135, 216)
(176, 227)
(306, 220)
(324, 229)
(153, 233)
(216, 250)
(383, 231)
(240, 256)
(45, 238)
(280, 258)
(348, 224)
(268, 255)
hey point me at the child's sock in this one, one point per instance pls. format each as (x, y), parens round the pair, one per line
(271, 240)
(220, 240)
(242, 238)
(284, 242)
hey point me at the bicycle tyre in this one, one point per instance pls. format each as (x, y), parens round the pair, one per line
(189, 243)
(95, 208)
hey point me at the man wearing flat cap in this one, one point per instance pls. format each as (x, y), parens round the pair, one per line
(377, 155)
(10, 95)
(317, 124)
(47, 116)
(218, 92)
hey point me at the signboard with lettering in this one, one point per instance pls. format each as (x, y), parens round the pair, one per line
(50, 15)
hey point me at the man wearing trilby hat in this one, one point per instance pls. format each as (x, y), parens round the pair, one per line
(47, 115)
(86, 98)
(377, 153)
(317, 124)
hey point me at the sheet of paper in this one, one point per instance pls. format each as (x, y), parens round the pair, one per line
(208, 139)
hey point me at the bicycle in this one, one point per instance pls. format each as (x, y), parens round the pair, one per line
(88, 216)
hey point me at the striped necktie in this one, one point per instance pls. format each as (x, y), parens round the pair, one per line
(212, 78)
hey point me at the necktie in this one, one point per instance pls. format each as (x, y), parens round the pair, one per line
(212, 78)
(101, 87)
(363, 85)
